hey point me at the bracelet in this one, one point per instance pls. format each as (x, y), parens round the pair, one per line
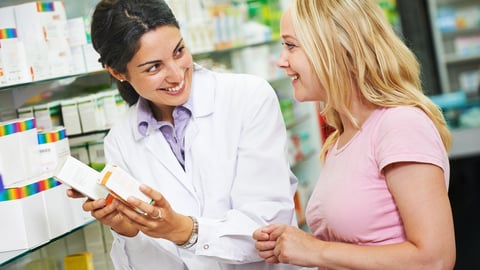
(192, 240)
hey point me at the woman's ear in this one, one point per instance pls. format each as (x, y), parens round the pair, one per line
(117, 75)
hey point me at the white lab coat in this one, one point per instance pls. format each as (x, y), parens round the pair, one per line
(236, 176)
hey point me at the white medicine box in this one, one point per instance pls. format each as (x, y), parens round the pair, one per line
(24, 224)
(42, 27)
(13, 60)
(19, 155)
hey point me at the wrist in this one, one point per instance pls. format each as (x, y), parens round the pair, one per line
(192, 239)
(125, 231)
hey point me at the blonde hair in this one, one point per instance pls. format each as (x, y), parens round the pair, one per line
(349, 44)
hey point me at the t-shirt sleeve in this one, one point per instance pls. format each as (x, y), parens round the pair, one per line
(406, 134)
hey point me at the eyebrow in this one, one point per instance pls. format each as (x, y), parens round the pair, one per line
(288, 36)
(159, 61)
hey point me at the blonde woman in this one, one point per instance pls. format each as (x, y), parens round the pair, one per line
(381, 200)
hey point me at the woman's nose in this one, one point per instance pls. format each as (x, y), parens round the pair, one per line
(282, 61)
(175, 72)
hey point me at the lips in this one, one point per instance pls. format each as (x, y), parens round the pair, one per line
(293, 76)
(174, 89)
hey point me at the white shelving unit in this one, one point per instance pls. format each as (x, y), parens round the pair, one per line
(456, 33)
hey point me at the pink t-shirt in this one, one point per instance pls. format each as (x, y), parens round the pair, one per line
(351, 201)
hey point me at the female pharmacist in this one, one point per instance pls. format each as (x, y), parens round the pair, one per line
(381, 200)
(210, 149)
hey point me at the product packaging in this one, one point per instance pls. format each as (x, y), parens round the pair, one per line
(47, 115)
(96, 154)
(71, 116)
(24, 216)
(42, 26)
(82, 178)
(53, 147)
(79, 261)
(122, 185)
(58, 210)
(19, 155)
(13, 63)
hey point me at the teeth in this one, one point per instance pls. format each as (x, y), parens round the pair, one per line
(295, 77)
(178, 87)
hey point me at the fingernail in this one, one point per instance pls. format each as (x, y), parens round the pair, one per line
(101, 203)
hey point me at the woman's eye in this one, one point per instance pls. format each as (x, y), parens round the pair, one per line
(179, 51)
(153, 68)
(289, 45)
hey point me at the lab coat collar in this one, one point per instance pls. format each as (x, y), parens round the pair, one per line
(202, 94)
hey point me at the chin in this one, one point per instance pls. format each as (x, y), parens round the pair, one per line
(299, 97)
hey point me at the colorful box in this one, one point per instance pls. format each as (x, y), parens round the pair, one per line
(96, 154)
(79, 261)
(19, 157)
(13, 63)
(91, 118)
(47, 115)
(53, 147)
(42, 26)
(121, 184)
(24, 218)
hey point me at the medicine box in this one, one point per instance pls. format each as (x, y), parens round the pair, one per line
(24, 218)
(96, 154)
(79, 261)
(42, 27)
(71, 116)
(19, 155)
(121, 184)
(13, 63)
(53, 147)
(82, 178)
(60, 217)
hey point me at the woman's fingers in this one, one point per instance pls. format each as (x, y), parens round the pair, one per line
(72, 193)
(155, 195)
(155, 209)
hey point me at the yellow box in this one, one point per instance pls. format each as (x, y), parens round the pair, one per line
(79, 261)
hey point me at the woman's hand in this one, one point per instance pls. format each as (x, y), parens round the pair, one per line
(159, 219)
(106, 214)
(265, 245)
(280, 243)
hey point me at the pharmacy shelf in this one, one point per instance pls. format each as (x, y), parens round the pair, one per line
(10, 256)
(52, 79)
(459, 59)
(460, 32)
(86, 137)
(196, 55)
(453, 2)
(454, 42)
